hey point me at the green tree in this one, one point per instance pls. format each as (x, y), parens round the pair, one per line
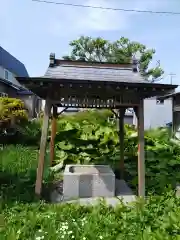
(121, 51)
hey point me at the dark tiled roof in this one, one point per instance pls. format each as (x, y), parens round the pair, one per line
(12, 64)
(94, 73)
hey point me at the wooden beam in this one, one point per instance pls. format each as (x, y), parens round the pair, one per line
(42, 152)
(74, 102)
(53, 134)
(105, 105)
(141, 157)
(121, 139)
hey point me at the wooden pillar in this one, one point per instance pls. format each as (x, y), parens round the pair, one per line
(121, 139)
(53, 135)
(173, 117)
(42, 151)
(141, 158)
(176, 121)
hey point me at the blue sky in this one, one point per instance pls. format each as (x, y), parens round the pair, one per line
(31, 31)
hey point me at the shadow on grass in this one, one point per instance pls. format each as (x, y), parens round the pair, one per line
(18, 165)
(17, 187)
(21, 188)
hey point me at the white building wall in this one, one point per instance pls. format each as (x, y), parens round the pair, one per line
(11, 76)
(156, 115)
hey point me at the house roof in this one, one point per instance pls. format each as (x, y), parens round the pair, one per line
(74, 70)
(170, 95)
(12, 64)
(10, 84)
(72, 82)
(20, 90)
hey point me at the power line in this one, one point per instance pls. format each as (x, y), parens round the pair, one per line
(107, 8)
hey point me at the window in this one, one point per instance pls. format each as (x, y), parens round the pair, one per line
(6, 74)
(159, 101)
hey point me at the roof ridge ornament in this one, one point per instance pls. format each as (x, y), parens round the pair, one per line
(134, 63)
(52, 59)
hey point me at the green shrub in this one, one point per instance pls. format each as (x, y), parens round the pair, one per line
(87, 137)
(157, 218)
(12, 112)
(12, 109)
(26, 133)
(29, 133)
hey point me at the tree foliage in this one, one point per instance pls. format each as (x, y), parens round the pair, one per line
(121, 51)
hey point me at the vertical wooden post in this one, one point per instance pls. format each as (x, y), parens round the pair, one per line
(42, 151)
(173, 117)
(141, 157)
(53, 135)
(121, 139)
(176, 121)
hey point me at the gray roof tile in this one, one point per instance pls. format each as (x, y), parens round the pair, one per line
(12, 64)
(94, 73)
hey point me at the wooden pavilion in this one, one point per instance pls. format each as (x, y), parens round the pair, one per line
(93, 85)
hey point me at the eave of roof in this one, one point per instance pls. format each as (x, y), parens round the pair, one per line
(25, 92)
(10, 84)
(40, 80)
(42, 87)
(20, 90)
(171, 95)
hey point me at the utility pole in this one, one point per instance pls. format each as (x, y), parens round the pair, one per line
(171, 77)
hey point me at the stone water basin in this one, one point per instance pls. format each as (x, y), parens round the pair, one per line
(84, 181)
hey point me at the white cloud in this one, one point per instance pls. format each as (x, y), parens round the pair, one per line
(74, 20)
(102, 20)
(84, 20)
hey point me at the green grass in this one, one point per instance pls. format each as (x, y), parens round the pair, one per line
(158, 218)
(23, 217)
(18, 166)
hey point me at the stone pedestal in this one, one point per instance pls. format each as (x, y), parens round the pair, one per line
(85, 181)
